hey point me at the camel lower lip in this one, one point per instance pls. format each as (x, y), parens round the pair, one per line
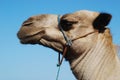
(28, 41)
(25, 40)
(31, 39)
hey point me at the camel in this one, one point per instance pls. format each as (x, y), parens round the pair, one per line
(92, 55)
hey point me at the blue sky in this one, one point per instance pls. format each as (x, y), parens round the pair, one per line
(35, 62)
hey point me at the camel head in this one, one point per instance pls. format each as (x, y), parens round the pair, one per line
(92, 52)
(44, 30)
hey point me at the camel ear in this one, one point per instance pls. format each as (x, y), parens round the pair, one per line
(102, 20)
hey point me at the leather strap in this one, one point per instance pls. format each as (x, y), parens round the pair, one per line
(63, 55)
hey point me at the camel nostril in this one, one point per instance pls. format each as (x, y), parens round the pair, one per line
(27, 23)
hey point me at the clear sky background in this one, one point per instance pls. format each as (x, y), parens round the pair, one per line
(35, 62)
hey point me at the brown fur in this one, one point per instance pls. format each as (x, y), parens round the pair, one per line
(92, 55)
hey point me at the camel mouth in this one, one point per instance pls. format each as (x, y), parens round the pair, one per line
(30, 39)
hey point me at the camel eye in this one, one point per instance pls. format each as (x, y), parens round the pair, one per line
(66, 25)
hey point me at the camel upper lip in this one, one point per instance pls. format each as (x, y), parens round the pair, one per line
(26, 36)
(22, 34)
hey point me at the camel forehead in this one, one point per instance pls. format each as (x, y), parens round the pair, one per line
(87, 13)
(81, 15)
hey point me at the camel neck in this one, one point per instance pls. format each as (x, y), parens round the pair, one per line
(94, 62)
